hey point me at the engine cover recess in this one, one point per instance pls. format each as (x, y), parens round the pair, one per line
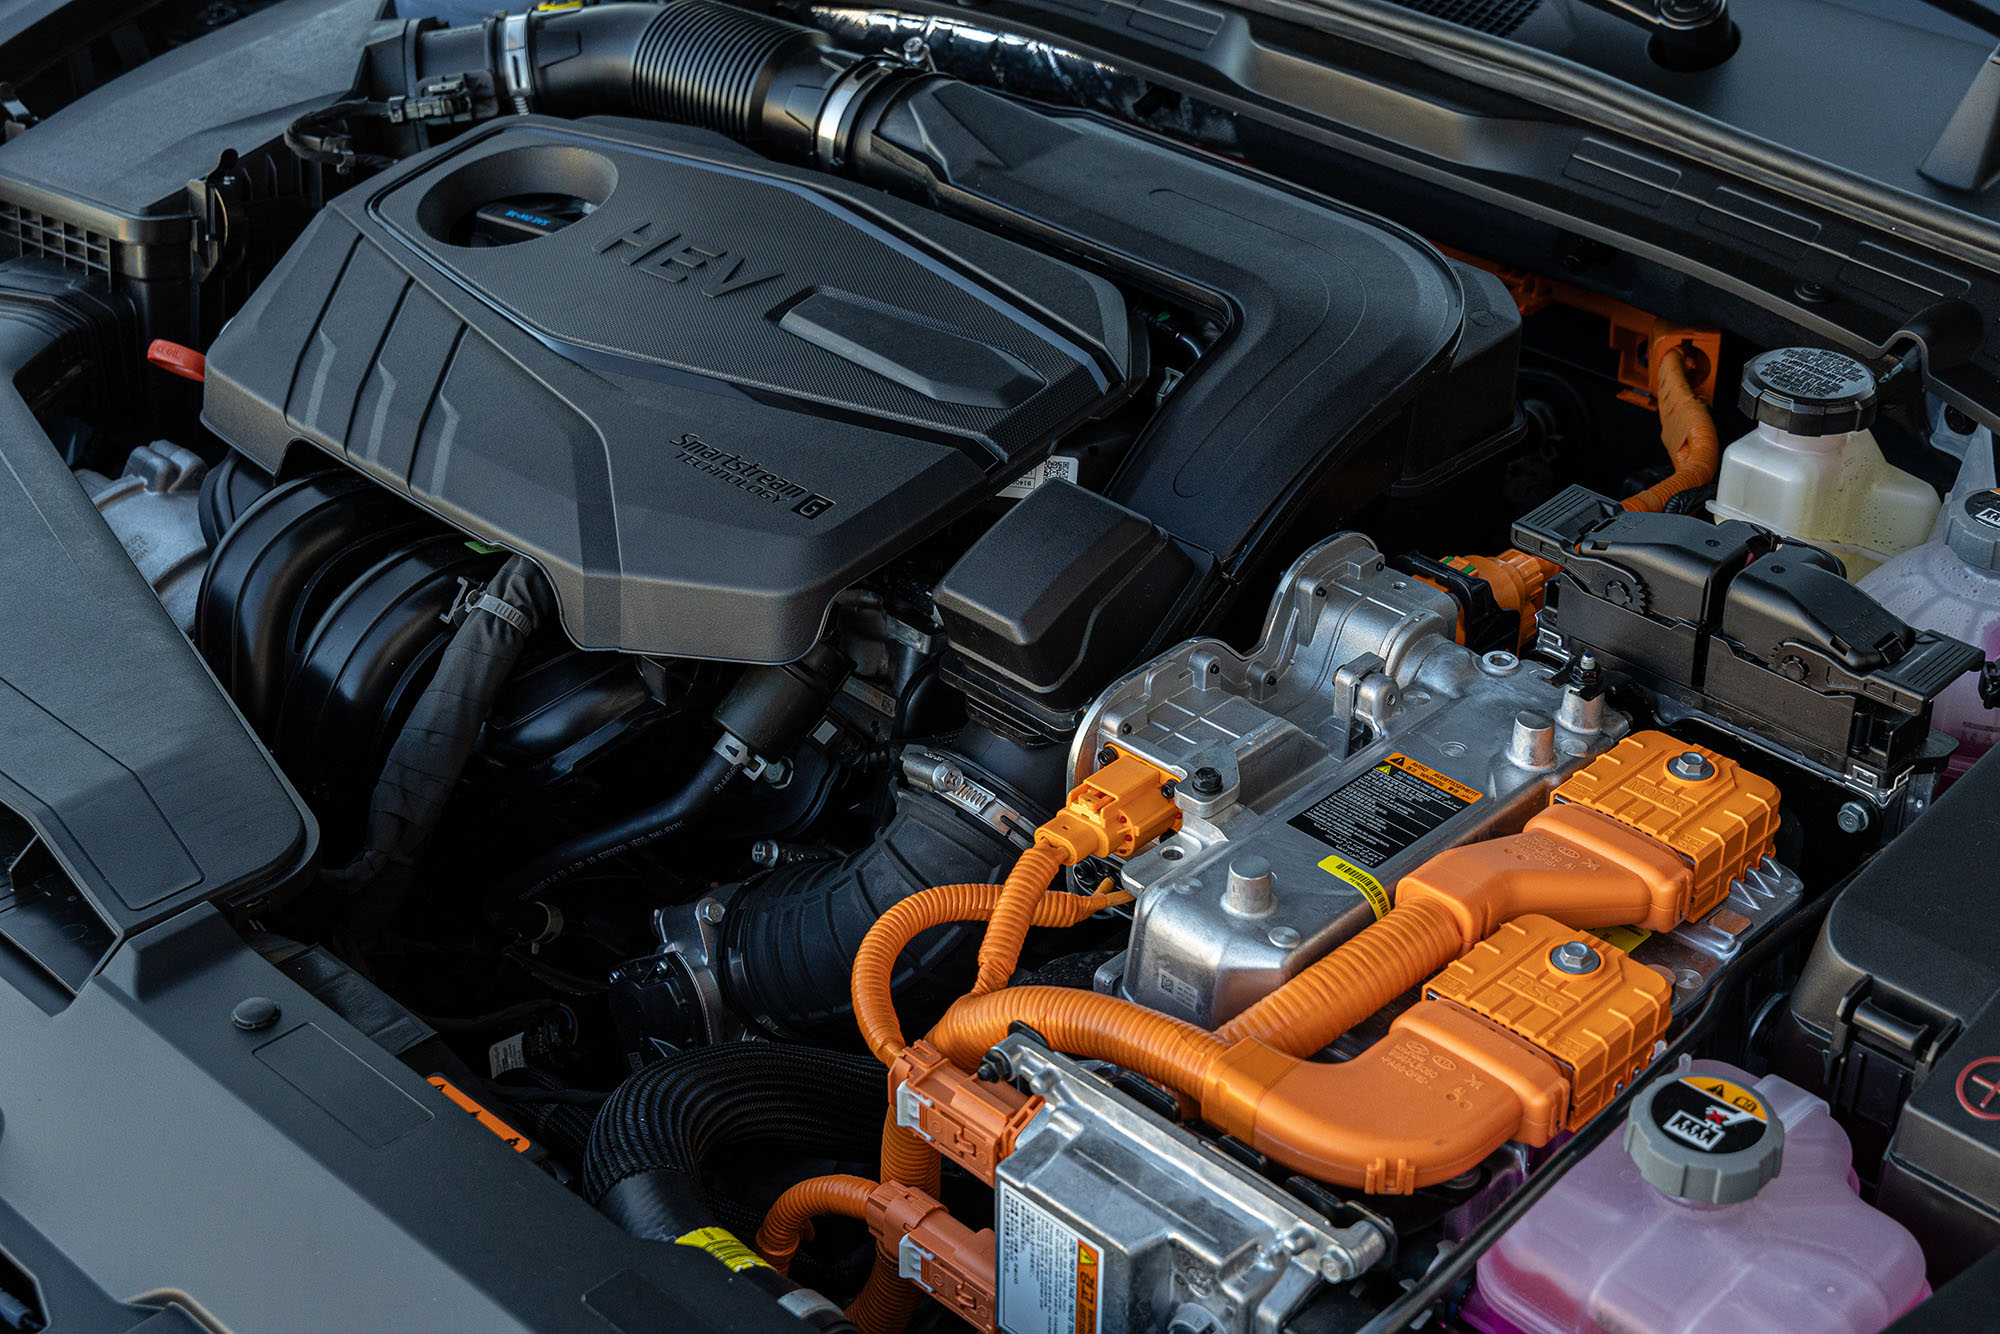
(704, 391)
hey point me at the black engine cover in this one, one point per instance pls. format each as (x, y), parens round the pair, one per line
(705, 392)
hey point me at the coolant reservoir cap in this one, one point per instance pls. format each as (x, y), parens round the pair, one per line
(1973, 531)
(1705, 1139)
(1808, 391)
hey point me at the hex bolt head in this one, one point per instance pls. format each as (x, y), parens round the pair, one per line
(1853, 817)
(254, 1013)
(1573, 956)
(1206, 781)
(1691, 766)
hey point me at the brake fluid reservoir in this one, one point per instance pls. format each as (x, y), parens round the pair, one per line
(1730, 1206)
(1952, 584)
(1811, 470)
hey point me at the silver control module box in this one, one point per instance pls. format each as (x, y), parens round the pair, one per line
(1358, 739)
(1109, 1218)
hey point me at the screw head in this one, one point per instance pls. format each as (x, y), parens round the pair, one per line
(1691, 766)
(710, 911)
(254, 1013)
(1106, 754)
(1206, 781)
(1575, 957)
(1853, 817)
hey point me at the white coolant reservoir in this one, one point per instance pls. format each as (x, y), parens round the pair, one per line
(1811, 470)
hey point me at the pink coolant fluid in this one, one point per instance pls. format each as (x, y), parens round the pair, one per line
(1608, 1252)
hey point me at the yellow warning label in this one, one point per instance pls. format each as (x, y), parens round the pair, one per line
(1626, 938)
(724, 1245)
(1734, 1094)
(1086, 1288)
(1442, 782)
(1371, 888)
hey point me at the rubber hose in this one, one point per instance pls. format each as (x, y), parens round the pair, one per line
(667, 1126)
(695, 62)
(430, 753)
(1000, 948)
(784, 1226)
(662, 819)
(791, 937)
(1687, 430)
(875, 962)
(1409, 943)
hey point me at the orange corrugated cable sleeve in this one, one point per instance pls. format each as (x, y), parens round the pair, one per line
(875, 961)
(1007, 930)
(1383, 961)
(786, 1222)
(886, 1302)
(1687, 430)
(1167, 1050)
(1575, 864)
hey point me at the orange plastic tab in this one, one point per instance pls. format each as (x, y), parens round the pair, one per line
(513, 1138)
(943, 1256)
(1113, 813)
(1601, 1024)
(973, 1122)
(1721, 825)
(177, 360)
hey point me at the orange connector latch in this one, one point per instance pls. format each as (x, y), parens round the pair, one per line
(1113, 813)
(1717, 816)
(972, 1121)
(941, 1255)
(1599, 1018)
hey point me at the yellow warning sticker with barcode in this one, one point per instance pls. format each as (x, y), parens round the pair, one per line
(725, 1246)
(1371, 888)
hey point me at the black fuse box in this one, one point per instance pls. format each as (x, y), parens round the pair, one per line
(1896, 1022)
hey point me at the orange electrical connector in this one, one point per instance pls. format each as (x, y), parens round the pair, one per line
(1596, 1016)
(1113, 813)
(1717, 816)
(941, 1255)
(973, 1122)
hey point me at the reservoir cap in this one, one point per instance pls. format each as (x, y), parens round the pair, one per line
(1808, 391)
(1973, 531)
(1705, 1139)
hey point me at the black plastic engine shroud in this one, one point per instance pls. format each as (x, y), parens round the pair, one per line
(719, 396)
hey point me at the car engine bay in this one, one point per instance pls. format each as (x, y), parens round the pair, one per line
(957, 690)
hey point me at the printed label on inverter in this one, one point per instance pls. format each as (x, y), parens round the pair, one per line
(1049, 1279)
(1373, 817)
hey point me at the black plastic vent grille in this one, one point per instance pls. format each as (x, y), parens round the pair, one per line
(23, 231)
(1497, 17)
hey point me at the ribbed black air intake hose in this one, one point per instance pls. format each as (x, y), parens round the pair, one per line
(659, 1142)
(695, 62)
(790, 938)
